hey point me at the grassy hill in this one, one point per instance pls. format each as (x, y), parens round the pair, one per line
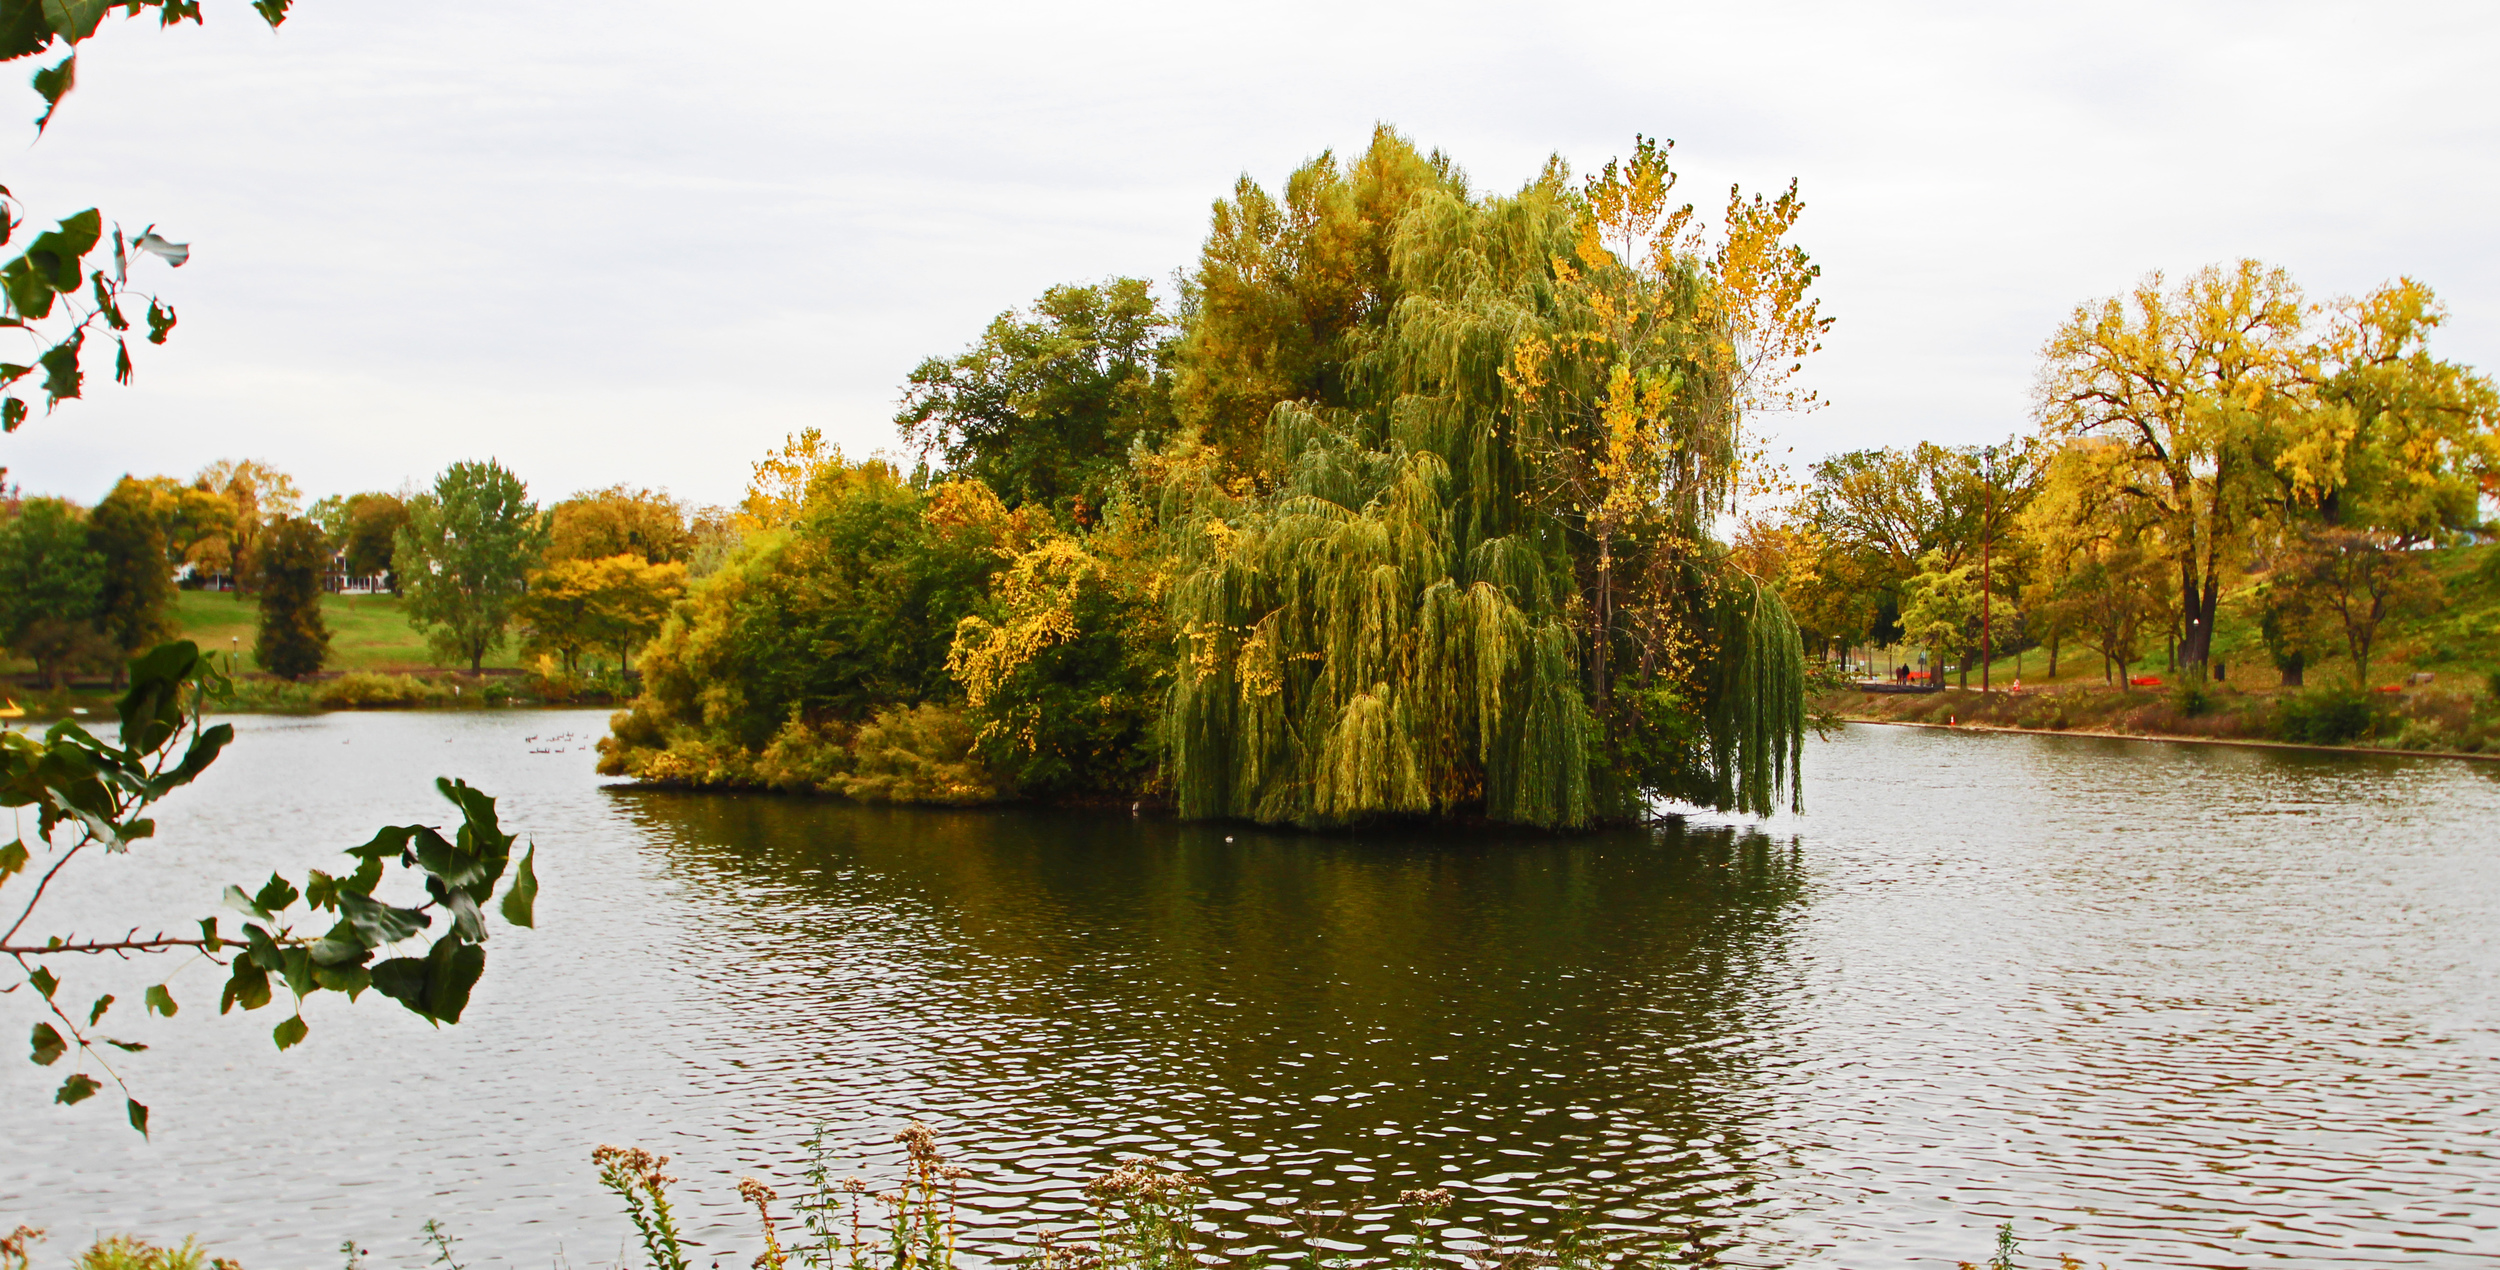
(367, 632)
(2456, 637)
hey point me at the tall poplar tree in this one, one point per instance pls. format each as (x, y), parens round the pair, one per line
(293, 555)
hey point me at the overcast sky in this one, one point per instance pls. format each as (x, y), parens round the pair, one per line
(637, 242)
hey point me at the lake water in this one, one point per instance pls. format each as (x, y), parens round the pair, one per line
(2157, 1005)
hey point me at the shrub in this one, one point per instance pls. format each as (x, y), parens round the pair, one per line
(275, 696)
(919, 754)
(365, 690)
(804, 758)
(127, 1252)
(2193, 699)
(2327, 716)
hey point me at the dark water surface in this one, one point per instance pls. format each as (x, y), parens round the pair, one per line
(2159, 1005)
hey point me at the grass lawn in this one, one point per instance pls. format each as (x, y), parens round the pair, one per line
(367, 632)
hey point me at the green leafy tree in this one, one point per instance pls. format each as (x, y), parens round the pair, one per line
(2362, 578)
(127, 533)
(293, 556)
(51, 582)
(854, 605)
(615, 603)
(464, 558)
(198, 522)
(2290, 621)
(1045, 407)
(371, 526)
(1068, 679)
(1941, 614)
(89, 801)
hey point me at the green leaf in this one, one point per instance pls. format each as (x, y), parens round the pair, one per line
(60, 253)
(44, 983)
(272, 12)
(245, 904)
(12, 413)
(520, 903)
(102, 1004)
(290, 1032)
(402, 979)
(208, 932)
(30, 292)
(298, 968)
(53, 83)
(138, 1116)
(152, 710)
(275, 895)
(161, 1002)
(127, 1047)
(195, 760)
(74, 20)
(23, 32)
(378, 924)
(351, 980)
(105, 303)
(248, 987)
(321, 891)
(160, 321)
(466, 921)
(77, 1089)
(437, 987)
(48, 1045)
(122, 368)
(12, 859)
(62, 379)
(265, 952)
(390, 840)
(450, 971)
(456, 866)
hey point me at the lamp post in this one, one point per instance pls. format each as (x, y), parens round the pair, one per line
(1987, 532)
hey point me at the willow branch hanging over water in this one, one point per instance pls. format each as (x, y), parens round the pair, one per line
(1472, 575)
(1416, 520)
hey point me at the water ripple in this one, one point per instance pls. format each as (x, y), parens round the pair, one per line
(2158, 1005)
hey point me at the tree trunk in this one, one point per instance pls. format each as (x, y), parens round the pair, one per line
(1605, 621)
(2294, 670)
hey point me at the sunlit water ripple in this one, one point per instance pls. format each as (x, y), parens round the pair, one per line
(2157, 1005)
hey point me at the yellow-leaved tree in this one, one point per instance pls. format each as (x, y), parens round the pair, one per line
(2193, 384)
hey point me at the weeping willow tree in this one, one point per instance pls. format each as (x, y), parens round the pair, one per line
(1463, 566)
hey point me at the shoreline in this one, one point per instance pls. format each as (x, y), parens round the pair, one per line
(2245, 743)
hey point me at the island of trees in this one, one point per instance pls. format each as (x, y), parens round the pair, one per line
(1406, 510)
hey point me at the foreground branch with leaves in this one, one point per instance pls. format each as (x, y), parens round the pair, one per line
(92, 799)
